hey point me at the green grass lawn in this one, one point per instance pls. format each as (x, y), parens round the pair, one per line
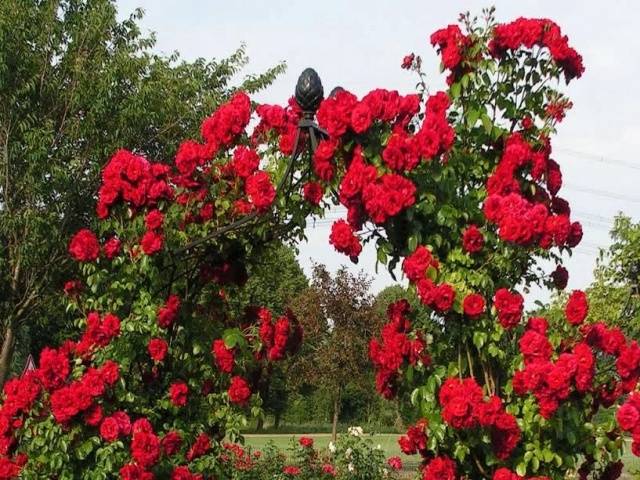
(388, 442)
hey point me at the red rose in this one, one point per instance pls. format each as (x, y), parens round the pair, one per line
(628, 417)
(312, 192)
(407, 61)
(199, 447)
(109, 429)
(157, 349)
(168, 313)
(443, 297)
(306, 442)
(560, 277)
(260, 190)
(291, 470)
(84, 246)
(112, 247)
(509, 306)
(245, 161)
(472, 239)
(395, 463)
(440, 468)
(154, 219)
(223, 356)
(145, 449)
(577, 307)
(416, 264)
(239, 391)
(343, 239)
(473, 305)
(151, 242)
(93, 416)
(361, 118)
(178, 393)
(171, 443)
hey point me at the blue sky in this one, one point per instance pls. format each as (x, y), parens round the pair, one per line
(359, 45)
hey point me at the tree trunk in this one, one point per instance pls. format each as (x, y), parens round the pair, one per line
(6, 353)
(336, 413)
(276, 420)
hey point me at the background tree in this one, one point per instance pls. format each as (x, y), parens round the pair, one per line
(75, 85)
(338, 319)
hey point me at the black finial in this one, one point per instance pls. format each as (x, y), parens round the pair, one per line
(309, 91)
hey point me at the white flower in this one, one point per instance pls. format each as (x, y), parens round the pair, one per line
(351, 467)
(379, 447)
(332, 447)
(347, 453)
(355, 431)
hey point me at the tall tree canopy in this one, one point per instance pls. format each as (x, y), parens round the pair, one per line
(76, 84)
(338, 319)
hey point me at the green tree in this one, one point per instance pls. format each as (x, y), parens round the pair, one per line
(76, 84)
(339, 320)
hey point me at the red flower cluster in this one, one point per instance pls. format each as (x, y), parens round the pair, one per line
(395, 348)
(79, 395)
(463, 407)
(415, 441)
(451, 43)
(543, 220)
(98, 332)
(415, 266)
(440, 468)
(577, 307)
(344, 240)
(84, 246)
(367, 191)
(282, 121)
(438, 297)
(115, 426)
(509, 306)
(612, 341)
(541, 32)
(549, 381)
(239, 391)
(54, 368)
(279, 338)
(227, 122)
(628, 417)
(134, 180)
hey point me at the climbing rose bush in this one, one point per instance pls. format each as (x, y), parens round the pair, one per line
(456, 189)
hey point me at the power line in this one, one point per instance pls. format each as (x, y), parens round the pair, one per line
(603, 193)
(598, 158)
